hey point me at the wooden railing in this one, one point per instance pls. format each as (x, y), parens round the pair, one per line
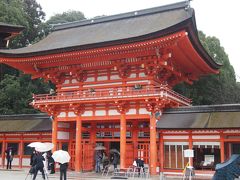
(111, 95)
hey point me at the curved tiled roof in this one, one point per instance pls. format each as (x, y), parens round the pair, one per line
(25, 123)
(110, 28)
(201, 117)
(118, 29)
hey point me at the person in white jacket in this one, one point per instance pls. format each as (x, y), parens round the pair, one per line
(45, 163)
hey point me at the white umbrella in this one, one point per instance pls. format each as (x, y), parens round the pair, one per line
(114, 151)
(98, 148)
(44, 147)
(34, 144)
(61, 156)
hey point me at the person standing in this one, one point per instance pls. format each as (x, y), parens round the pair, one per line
(98, 159)
(45, 162)
(9, 156)
(51, 163)
(33, 155)
(38, 164)
(63, 171)
(115, 160)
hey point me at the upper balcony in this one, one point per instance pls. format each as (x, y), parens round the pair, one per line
(111, 95)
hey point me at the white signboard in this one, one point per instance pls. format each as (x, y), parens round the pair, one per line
(188, 153)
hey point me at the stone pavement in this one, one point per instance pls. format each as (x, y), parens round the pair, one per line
(22, 174)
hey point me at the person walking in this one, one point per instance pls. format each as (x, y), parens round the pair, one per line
(38, 165)
(63, 171)
(9, 155)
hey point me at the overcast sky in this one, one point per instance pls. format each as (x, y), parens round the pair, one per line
(218, 18)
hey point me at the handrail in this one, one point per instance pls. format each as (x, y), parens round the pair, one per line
(162, 91)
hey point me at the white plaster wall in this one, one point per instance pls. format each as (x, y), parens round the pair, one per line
(63, 125)
(176, 132)
(26, 161)
(113, 112)
(175, 137)
(90, 79)
(62, 114)
(66, 81)
(99, 85)
(15, 161)
(205, 131)
(142, 74)
(102, 78)
(116, 134)
(71, 114)
(206, 137)
(87, 113)
(100, 112)
(207, 143)
(232, 131)
(74, 81)
(114, 77)
(143, 111)
(133, 75)
(137, 82)
(70, 87)
(176, 143)
(132, 111)
(62, 135)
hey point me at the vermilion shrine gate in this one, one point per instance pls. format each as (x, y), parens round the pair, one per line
(113, 74)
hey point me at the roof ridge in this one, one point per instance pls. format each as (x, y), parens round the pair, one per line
(205, 108)
(178, 5)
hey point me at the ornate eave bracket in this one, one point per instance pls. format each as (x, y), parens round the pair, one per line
(78, 109)
(122, 106)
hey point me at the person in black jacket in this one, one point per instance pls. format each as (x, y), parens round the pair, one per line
(115, 160)
(63, 171)
(38, 165)
(32, 157)
(9, 155)
(51, 163)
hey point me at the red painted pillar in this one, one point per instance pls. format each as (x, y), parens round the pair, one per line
(21, 152)
(153, 145)
(222, 152)
(78, 150)
(161, 148)
(123, 140)
(54, 133)
(3, 152)
(93, 133)
(190, 144)
(135, 138)
(70, 138)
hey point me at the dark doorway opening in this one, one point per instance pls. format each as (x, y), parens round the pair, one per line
(236, 148)
(115, 145)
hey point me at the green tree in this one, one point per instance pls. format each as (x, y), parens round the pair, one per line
(16, 94)
(65, 17)
(27, 13)
(213, 89)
